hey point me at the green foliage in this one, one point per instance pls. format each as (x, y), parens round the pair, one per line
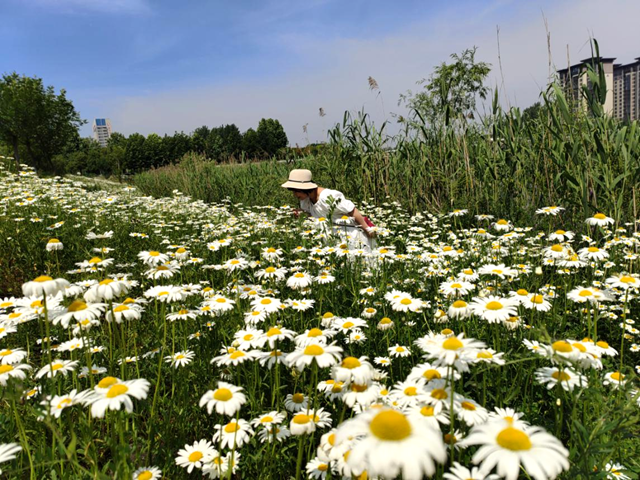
(35, 120)
(451, 91)
(271, 136)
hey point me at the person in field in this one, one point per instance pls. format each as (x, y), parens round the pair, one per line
(332, 206)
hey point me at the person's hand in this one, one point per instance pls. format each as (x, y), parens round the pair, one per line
(296, 212)
(371, 232)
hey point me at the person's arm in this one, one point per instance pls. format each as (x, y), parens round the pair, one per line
(357, 216)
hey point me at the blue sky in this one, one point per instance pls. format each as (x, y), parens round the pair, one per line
(161, 66)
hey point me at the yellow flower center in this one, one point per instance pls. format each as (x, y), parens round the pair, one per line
(121, 308)
(627, 279)
(439, 394)
(600, 216)
(452, 343)
(485, 354)
(301, 419)
(117, 390)
(313, 350)
(405, 301)
(513, 439)
(6, 352)
(459, 304)
(54, 240)
(390, 425)
(493, 305)
(579, 347)
(231, 427)
(537, 299)
(76, 306)
(617, 376)
(43, 278)
(593, 249)
(557, 248)
(561, 376)
(146, 475)
(314, 332)
(63, 403)
(237, 354)
(56, 366)
(265, 301)
(358, 388)
(431, 373)
(562, 346)
(5, 368)
(468, 406)
(323, 467)
(385, 321)
(299, 275)
(106, 281)
(107, 382)
(297, 398)
(411, 391)
(95, 260)
(348, 324)
(274, 331)
(195, 456)
(351, 362)
(456, 285)
(602, 344)
(427, 411)
(502, 222)
(399, 349)
(585, 293)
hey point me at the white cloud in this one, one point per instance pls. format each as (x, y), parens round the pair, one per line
(337, 81)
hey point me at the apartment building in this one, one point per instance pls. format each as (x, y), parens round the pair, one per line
(102, 130)
(622, 81)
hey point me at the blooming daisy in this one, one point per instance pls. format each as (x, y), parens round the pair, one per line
(566, 378)
(147, 473)
(8, 371)
(493, 309)
(391, 443)
(234, 434)
(323, 355)
(113, 394)
(226, 399)
(180, 359)
(600, 220)
(196, 455)
(507, 446)
(56, 367)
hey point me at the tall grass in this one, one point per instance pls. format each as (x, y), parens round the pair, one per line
(574, 156)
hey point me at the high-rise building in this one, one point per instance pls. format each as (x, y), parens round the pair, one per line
(622, 81)
(102, 130)
(627, 89)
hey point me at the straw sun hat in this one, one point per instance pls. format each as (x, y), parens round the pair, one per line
(300, 180)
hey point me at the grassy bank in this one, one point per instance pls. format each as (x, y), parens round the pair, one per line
(506, 162)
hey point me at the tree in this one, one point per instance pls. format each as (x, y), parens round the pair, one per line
(271, 136)
(32, 116)
(199, 139)
(134, 153)
(250, 143)
(451, 91)
(153, 151)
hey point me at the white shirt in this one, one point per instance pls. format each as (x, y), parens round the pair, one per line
(328, 200)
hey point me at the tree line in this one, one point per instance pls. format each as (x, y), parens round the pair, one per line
(40, 127)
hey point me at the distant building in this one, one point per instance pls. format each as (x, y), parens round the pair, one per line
(102, 130)
(627, 90)
(622, 81)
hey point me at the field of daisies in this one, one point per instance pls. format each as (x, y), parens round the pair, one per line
(167, 338)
